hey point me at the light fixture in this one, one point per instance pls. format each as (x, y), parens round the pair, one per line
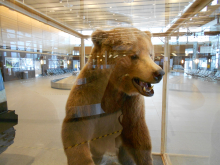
(161, 54)
(182, 61)
(61, 1)
(174, 54)
(128, 1)
(209, 60)
(110, 7)
(68, 62)
(42, 62)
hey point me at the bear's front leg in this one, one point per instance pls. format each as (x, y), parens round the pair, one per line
(75, 136)
(135, 135)
(124, 157)
(138, 145)
(79, 155)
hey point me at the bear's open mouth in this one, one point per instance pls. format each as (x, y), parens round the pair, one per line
(144, 88)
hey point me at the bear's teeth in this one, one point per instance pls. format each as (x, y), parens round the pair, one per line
(144, 89)
(150, 88)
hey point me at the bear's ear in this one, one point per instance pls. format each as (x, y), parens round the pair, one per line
(99, 36)
(149, 34)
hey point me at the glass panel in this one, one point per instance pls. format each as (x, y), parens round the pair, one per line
(40, 125)
(193, 108)
(93, 104)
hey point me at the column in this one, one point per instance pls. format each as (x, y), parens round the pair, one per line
(195, 56)
(82, 54)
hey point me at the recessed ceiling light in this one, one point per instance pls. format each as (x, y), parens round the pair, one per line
(70, 9)
(110, 7)
(61, 1)
(128, 1)
(113, 14)
(115, 19)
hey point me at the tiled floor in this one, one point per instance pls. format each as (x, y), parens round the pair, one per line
(193, 121)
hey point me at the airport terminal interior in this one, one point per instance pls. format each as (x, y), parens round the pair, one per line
(44, 45)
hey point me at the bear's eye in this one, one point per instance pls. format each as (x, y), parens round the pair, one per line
(134, 57)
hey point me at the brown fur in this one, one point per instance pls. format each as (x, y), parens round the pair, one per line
(110, 84)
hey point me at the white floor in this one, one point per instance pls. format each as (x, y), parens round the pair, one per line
(193, 120)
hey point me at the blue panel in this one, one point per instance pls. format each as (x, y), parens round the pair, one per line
(2, 87)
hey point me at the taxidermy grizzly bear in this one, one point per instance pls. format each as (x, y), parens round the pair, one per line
(108, 96)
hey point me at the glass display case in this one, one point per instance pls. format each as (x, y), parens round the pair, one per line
(60, 38)
(192, 106)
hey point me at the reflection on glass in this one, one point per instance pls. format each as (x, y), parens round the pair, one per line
(105, 111)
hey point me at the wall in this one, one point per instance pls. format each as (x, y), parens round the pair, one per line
(21, 32)
(30, 38)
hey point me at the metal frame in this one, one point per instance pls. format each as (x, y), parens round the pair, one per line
(165, 96)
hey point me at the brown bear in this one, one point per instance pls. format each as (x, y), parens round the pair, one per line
(108, 96)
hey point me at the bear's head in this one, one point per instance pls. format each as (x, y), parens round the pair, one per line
(128, 52)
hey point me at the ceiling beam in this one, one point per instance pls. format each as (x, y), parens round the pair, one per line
(196, 7)
(156, 34)
(165, 34)
(212, 33)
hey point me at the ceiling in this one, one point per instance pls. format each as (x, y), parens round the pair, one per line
(106, 14)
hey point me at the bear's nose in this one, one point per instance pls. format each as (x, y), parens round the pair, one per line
(158, 75)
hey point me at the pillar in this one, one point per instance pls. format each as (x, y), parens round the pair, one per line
(82, 54)
(195, 56)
